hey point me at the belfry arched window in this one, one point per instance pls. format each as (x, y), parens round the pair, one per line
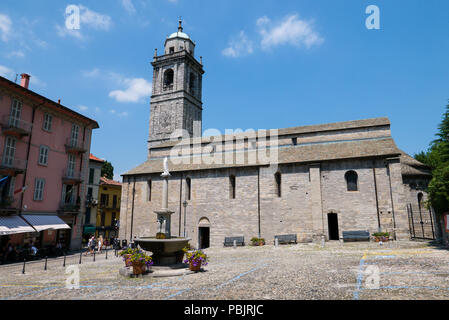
(168, 77)
(351, 180)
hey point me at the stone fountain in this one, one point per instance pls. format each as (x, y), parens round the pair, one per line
(168, 251)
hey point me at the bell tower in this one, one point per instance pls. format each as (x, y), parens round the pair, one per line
(176, 104)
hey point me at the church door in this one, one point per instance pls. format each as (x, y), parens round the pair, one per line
(204, 233)
(332, 219)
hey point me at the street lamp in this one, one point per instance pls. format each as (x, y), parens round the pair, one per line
(185, 209)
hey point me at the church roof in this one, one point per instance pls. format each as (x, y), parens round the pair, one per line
(179, 35)
(306, 153)
(412, 167)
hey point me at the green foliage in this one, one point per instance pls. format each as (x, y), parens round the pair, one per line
(437, 157)
(107, 170)
(256, 240)
(381, 234)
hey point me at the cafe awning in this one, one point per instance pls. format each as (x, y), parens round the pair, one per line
(13, 225)
(45, 222)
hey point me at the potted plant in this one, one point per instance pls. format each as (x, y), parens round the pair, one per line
(195, 259)
(258, 241)
(381, 236)
(126, 254)
(141, 262)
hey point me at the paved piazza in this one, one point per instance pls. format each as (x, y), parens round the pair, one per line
(405, 270)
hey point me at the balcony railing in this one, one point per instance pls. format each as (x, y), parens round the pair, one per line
(72, 176)
(110, 206)
(70, 206)
(12, 165)
(14, 126)
(74, 146)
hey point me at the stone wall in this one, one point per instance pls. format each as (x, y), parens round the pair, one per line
(308, 193)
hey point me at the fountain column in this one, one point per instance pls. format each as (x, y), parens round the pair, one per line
(164, 215)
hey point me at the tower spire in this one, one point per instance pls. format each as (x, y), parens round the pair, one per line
(180, 24)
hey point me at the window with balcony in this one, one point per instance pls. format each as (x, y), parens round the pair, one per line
(16, 110)
(74, 135)
(43, 155)
(71, 165)
(9, 151)
(6, 190)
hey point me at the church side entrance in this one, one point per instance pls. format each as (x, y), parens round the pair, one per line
(204, 235)
(332, 220)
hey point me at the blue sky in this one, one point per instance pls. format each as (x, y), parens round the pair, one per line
(269, 64)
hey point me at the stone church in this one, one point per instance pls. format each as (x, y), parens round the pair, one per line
(310, 181)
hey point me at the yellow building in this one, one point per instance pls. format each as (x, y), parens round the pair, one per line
(108, 213)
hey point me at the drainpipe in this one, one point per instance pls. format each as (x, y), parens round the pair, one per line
(258, 200)
(391, 196)
(28, 154)
(180, 200)
(132, 211)
(377, 199)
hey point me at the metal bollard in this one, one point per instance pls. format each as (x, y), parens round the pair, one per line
(64, 261)
(94, 256)
(23, 270)
(106, 254)
(45, 267)
(276, 242)
(81, 253)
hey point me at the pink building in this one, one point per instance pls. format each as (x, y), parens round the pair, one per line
(44, 158)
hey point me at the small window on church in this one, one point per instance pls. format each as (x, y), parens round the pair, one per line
(150, 184)
(232, 187)
(188, 188)
(351, 180)
(168, 78)
(172, 50)
(294, 141)
(277, 178)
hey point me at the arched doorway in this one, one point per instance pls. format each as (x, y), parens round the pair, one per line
(203, 233)
(332, 220)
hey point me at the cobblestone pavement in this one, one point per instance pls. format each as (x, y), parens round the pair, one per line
(406, 270)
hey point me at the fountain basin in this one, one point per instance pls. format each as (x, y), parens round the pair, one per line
(165, 251)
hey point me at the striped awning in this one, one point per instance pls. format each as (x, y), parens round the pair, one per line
(45, 222)
(13, 225)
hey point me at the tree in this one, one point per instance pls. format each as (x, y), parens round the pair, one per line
(107, 170)
(437, 157)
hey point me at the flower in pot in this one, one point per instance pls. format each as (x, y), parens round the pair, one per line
(258, 241)
(141, 262)
(381, 236)
(195, 259)
(126, 254)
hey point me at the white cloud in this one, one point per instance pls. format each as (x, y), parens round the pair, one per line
(239, 47)
(128, 5)
(6, 72)
(16, 54)
(92, 73)
(5, 27)
(94, 19)
(291, 30)
(136, 90)
(83, 108)
(88, 19)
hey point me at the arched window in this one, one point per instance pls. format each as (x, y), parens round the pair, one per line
(277, 178)
(149, 185)
(351, 180)
(192, 81)
(168, 77)
(232, 187)
(420, 196)
(188, 188)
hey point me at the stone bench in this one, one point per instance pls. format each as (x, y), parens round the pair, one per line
(229, 241)
(356, 236)
(286, 238)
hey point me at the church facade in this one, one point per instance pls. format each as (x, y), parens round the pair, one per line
(311, 181)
